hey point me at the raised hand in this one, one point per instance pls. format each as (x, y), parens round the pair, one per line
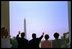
(43, 33)
(19, 32)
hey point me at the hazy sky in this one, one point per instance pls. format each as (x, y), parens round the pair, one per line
(41, 16)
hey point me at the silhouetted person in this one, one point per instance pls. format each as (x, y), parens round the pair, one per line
(22, 42)
(4, 32)
(46, 43)
(34, 43)
(57, 42)
(56, 35)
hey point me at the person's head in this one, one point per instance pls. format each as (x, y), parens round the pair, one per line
(56, 35)
(46, 37)
(33, 35)
(3, 29)
(22, 34)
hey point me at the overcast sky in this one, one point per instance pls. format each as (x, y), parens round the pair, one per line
(41, 16)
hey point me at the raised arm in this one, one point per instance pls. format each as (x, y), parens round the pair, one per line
(18, 35)
(41, 36)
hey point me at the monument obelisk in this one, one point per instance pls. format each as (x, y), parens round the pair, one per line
(25, 27)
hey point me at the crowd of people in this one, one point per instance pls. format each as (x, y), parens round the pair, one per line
(34, 42)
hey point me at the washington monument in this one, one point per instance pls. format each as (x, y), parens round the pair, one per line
(25, 27)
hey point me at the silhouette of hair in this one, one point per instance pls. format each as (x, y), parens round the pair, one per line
(56, 35)
(46, 36)
(3, 28)
(33, 35)
(22, 34)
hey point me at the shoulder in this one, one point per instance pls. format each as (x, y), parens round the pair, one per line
(37, 38)
(31, 40)
(18, 38)
(25, 39)
(42, 41)
(60, 40)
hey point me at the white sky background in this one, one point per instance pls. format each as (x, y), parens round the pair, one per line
(41, 16)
